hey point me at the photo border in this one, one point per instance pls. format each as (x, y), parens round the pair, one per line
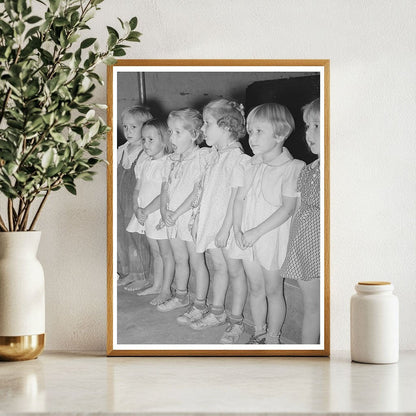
(111, 350)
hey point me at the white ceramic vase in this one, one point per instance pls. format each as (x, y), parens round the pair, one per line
(22, 296)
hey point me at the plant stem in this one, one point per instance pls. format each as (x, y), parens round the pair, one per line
(2, 224)
(10, 213)
(18, 216)
(21, 213)
(26, 216)
(39, 209)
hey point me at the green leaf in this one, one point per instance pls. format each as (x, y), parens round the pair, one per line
(133, 38)
(110, 60)
(10, 8)
(33, 19)
(20, 27)
(86, 176)
(119, 52)
(47, 158)
(34, 125)
(21, 5)
(87, 42)
(133, 23)
(52, 171)
(90, 114)
(31, 90)
(21, 177)
(112, 41)
(7, 30)
(73, 38)
(10, 168)
(94, 151)
(70, 188)
(74, 18)
(112, 31)
(94, 129)
(32, 31)
(121, 22)
(54, 4)
(58, 137)
(61, 21)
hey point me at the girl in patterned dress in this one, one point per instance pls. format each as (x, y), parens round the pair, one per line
(224, 125)
(303, 257)
(262, 212)
(133, 255)
(146, 202)
(182, 173)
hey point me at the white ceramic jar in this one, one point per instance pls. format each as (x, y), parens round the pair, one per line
(374, 323)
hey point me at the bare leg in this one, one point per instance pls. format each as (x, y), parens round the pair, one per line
(180, 254)
(275, 300)
(140, 258)
(168, 270)
(257, 294)
(311, 306)
(199, 267)
(157, 270)
(220, 279)
(238, 283)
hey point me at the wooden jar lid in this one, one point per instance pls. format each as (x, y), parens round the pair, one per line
(374, 283)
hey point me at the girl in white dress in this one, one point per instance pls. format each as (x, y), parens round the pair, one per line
(224, 125)
(182, 173)
(146, 202)
(262, 212)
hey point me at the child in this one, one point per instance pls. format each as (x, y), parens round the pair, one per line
(224, 125)
(146, 203)
(183, 170)
(262, 212)
(133, 255)
(302, 262)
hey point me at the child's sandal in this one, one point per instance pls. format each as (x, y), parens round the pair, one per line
(257, 339)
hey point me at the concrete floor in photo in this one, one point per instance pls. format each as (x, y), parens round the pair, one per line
(141, 323)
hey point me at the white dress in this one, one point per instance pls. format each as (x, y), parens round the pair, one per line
(267, 184)
(149, 172)
(181, 172)
(224, 171)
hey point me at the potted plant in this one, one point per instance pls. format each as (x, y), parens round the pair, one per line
(50, 136)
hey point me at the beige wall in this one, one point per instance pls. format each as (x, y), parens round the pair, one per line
(373, 152)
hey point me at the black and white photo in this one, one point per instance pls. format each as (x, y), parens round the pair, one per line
(219, 219)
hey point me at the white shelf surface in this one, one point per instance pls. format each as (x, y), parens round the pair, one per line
(88, 383)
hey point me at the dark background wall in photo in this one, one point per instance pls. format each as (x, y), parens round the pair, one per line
(167, 91)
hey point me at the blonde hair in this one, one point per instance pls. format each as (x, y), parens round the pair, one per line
(163, 131)
(139, 112)
(192, 121)
(312, 110)
(277, 114)
(229, 115)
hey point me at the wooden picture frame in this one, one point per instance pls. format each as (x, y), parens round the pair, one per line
(165, 85)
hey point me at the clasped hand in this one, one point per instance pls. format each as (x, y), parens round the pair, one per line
(140, 215)
(246, 239)
(170, 218)
(222, 238)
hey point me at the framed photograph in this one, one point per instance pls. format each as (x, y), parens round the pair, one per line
(218, 208)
